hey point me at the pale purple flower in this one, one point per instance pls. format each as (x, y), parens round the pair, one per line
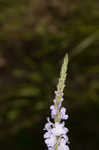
(66, 138)
(48, 125)
(50, 148)
(57, 94)
(53, 111)
(59, 104)
(51, 141)
(59, 129)
(63, 115)
(62, 145)
(61, 99)
(54, 100)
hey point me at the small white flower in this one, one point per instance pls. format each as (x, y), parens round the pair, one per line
(53, 111)
(48, 125)
(47, 134)
(65, 137)
(63, 115)
(59, 129)
(51, 141)
(62, 146)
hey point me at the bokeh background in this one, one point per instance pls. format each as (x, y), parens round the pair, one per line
(34, 37)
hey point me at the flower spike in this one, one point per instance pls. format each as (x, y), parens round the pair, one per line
(56, 133)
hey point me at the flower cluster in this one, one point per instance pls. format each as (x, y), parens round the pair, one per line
(55, 137)
(56, 109)
(56, 133)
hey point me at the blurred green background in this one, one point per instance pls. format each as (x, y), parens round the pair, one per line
(34, 37)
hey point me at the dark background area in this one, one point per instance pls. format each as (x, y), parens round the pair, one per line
(34, 37)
